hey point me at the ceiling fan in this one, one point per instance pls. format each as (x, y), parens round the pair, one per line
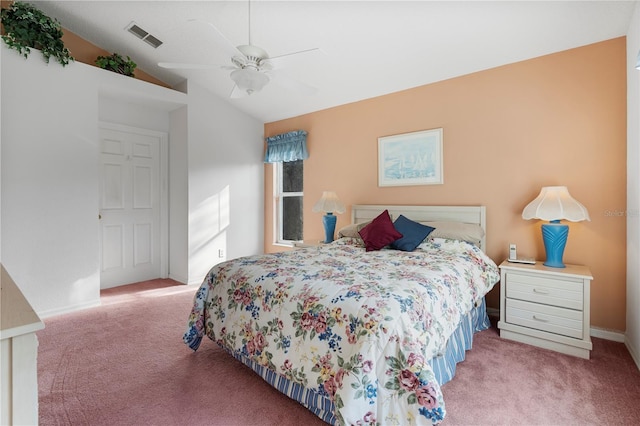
(252, 68)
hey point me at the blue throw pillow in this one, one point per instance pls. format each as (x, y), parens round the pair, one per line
(413, 233)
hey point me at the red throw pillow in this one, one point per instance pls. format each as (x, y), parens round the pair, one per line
(380, 232)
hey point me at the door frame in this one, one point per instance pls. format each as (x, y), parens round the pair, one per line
(164, 186)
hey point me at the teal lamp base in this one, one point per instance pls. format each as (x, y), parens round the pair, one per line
(329, 222)
(554, 235)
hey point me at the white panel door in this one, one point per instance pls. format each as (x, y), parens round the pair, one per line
(129, 207)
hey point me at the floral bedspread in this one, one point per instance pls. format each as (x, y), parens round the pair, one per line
(357, 326)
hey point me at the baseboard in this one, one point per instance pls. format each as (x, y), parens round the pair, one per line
(69, 309)
(180, 279)
(614, 336)
(633, 353)
(493, 312)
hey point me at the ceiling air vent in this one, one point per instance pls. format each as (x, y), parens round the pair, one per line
(143, 35)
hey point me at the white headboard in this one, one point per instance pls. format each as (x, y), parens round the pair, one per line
(467, 214)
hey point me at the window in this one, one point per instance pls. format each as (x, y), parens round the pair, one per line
(286, 152)
(288, 196)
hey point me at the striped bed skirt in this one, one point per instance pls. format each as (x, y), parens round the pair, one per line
(444, 365)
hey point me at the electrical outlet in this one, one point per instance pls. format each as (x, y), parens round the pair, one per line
(220, 253)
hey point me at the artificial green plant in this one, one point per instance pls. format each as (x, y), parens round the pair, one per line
(116, 63)
(27, 27)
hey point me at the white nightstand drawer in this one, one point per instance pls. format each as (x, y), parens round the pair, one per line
(549, 291)
(566, 322)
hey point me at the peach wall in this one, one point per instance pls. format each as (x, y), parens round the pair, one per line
(559, 119)
(86, 52)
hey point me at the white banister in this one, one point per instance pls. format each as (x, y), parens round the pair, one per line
(18, 355)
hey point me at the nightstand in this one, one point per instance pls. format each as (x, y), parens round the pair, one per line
(546, 307)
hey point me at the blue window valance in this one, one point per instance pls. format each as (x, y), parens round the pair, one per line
(287, 147)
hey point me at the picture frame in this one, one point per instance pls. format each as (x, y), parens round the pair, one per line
(414, 158)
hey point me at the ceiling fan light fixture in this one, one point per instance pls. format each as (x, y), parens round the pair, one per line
(249, 80)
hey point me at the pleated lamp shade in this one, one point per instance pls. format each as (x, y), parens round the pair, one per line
(555, 203)
(329, 203)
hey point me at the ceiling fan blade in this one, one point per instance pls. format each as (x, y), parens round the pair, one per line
(281, 60)
(178, 65)
(221, 40)
(285, 80)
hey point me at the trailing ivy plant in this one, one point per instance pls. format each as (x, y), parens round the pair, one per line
(116, 63)
(27, 27)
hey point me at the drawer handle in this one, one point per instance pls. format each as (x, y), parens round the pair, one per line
(540, 319)
(535, 290)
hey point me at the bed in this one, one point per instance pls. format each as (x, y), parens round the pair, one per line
(358, 331)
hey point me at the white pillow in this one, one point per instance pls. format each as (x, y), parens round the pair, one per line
(351, 231)
(456, 231)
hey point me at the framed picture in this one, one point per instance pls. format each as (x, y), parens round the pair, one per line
(410, 159)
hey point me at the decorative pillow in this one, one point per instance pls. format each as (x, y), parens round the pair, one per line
(380, 232)
(457, 231)
(413, 233)
(351, 231)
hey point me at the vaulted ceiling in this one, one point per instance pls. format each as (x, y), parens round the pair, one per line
(366, 48)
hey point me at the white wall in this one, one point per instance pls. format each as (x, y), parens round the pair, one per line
(113, 110)
(1, 52)
(178, 196)
(49, 182)
(226, 182)
(633, 188)
(49, 176)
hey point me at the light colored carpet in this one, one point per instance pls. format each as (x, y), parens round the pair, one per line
(124, 363)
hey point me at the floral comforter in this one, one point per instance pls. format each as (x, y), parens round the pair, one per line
(357, 326)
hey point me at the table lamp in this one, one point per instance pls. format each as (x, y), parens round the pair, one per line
(329, 203)
(555, 204)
